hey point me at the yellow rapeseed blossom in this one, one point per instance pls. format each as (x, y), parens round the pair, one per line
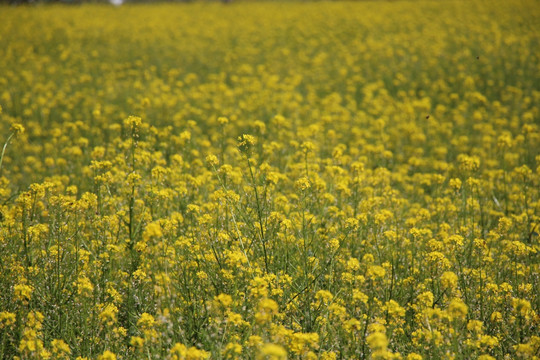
(7, 319)
(152, 230)
(146, 321)
(271, 352)
(303, 184)
(246, 142)
(457, 309)
(133, 122)
(327, 193)
(60, 348)
(223, 300)
(22, 292)
(107, 355)
(108, 314)
(137, 342)
(449, 280)
(181, 352)
(375, 272)
(17, 128)
(267, 308)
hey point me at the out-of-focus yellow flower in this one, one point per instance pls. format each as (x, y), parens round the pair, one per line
(457, 309)
(377, 341)
(212, 160)
(146, 321)
(153, 230)
(136, 342)
(222, 120)
(223, 300)
(133, 122)
(60, 348)
(107, 355)
(246, 142)
(376, 272)
(271, 352)
(108, 314)
(84, 286)
(267, 308)
(7, 319)
(181, 352)
(22, 292)
(17, 128)
(449, 280)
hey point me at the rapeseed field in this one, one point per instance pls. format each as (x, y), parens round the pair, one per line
(348, 180)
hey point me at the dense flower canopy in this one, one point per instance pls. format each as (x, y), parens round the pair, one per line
(270, 181)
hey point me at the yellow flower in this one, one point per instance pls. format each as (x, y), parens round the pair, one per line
(301, 343)
(475, 326)
(333, 244)
(455, 184)
(394, 309)
(258, 286)
(146, 321)
(133, 122)
(255, 341)
(22, 292)
(222, 120)
(496, 316)
(153, 230)
(136, 342)
(84, 286)
(60, 348)
(17, 128)
(457, 309)
(246, 142)
(232, 350)
(139, 274)
(377, 341)
(323, 297)
(107, 355)
(223, 300)
(272, 352)
(7, 319)
(236, 319)
(359, 296)
(449, 280)
(267, 309)
(181, 352)
(425, 299)
(522, 307)
(303, 184)
(212, 160)
(375, 271)
(486, 357)
(328, 355)
(108, 314)
(468, 163)
(352, 325)
(488, 341)
(34, 320)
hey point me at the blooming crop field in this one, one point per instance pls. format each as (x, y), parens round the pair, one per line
(356, 180)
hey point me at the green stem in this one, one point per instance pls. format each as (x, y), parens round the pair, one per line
(259, 215)
(4, 150)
